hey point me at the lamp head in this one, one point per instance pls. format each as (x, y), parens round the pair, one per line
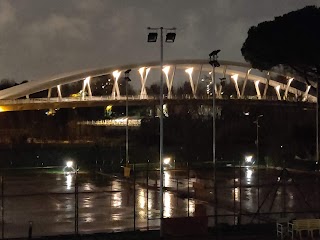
(214, 53)
(152, 37)
(170, 37)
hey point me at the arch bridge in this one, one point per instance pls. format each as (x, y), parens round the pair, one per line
(264, 86)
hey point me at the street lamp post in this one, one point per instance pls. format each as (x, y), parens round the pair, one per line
(127, 79)
(213, 61)
(170, 37)
(258, 163)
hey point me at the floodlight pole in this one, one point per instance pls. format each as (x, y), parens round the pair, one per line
(161, 124)
(258, 163)
(127, 79)
(127, 132)
(214, 144)
(213, 62)
(161, 132)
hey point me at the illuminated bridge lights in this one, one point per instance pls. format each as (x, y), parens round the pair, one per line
(240, 73)
(119, 122)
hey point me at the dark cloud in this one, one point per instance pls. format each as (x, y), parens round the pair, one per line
(43, 37)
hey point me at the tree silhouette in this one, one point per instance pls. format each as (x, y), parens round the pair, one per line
(291, 41)
(7, 83)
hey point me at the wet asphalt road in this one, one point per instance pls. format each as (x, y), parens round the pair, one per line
(106, 202)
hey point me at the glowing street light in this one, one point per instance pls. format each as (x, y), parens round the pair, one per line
(166, 161)
(69, 164)
(69, 167)
(248, 159)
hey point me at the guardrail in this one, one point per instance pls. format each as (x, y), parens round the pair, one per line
(138, 97)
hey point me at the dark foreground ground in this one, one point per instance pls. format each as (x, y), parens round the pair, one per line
(262, 231)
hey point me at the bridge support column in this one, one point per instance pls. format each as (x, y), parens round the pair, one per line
(49, 93)
(169, 81)
(198, 80)
(143, 74)
(256, 85)
(245, 82)
(189, 72)
(59, 92)
(306, 93)
(267, 85)
(277, 88)
(235, 79)
(115, 90)
(86, 85)
(287, 89)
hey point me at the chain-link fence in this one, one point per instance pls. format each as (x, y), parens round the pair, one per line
(54, 203)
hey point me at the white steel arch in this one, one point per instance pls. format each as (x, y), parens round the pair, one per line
(226, 69)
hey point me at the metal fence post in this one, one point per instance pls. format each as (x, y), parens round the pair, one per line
(2, 207)
(148, 195)
(76, 207)
(30, 230)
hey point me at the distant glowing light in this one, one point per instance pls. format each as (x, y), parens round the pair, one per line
(166, 160)
(248, 159)
(3, 109)
(69, 164)
(119, 122)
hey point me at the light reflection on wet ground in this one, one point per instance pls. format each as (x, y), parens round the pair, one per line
(106, 203)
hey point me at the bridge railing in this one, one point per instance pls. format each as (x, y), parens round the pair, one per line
(138, 97)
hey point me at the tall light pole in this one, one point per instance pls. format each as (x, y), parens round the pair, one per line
(170, 37)
(258, 163)
(127, 79)
(213, 61)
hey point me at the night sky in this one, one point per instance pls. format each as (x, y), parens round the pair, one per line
(44, 37)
